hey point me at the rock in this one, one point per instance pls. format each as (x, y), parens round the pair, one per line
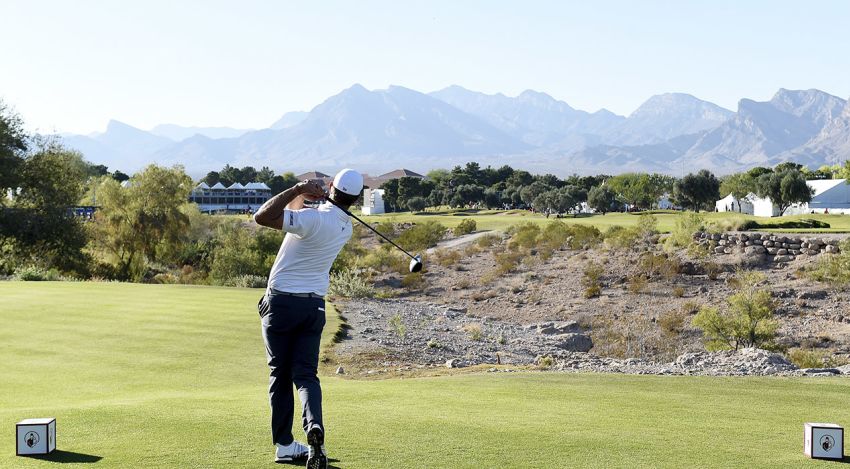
(781, 258)
(831, 248)
(340, 370)
(452, 363)
(820, 371)
(574, 342)
(755, 249)
(813, 295)
(845, 369)
(719, 250)
(552, 328)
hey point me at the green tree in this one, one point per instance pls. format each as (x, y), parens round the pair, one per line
(636, 189)
(391, 202)
(13, 146)
(602, 199)
(416, 204)
(212, 178)
(281, 183)
(697, 191)
(746, 322)
(265, 175)
(739, 185)
(784, 186)
(119, 176)
(137, 222)
(530, 192)
(38, 227)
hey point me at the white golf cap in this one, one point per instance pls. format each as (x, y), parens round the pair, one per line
(349, 181)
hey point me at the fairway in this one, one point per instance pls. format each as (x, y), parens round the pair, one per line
(160, 376)
(500, 220)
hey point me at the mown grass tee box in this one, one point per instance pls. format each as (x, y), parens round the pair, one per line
(35, 436)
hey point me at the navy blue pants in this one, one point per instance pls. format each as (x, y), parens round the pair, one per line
(292, 330)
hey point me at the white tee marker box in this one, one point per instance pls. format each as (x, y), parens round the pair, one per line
(823, 441)
(36, 436)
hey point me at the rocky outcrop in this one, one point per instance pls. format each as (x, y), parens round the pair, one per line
(767, 247)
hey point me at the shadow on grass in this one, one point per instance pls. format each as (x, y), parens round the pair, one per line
(300, 463)
(68, 457)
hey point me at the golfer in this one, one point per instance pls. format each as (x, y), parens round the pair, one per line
(293, 308)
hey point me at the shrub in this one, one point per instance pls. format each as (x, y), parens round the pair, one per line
(347, 284)
(591, 280)
(32, 273)
(412, 280)
(446, 258)
(584, 236)
(672, 322)
(432, 343)
(465, 227)
(833, 269)
(250, 281)
(683, 232)
(489, 240)
(473, 331)
(384, 258)
(523, 236)
(619, 237)
(652, 265)
(809, 358)
(748, 320)
(422, 236)
(637, 283)
(712, 269)
(545, 362)
(678, 292)
(397, 326)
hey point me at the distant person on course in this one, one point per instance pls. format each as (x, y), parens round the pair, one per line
(293, 308)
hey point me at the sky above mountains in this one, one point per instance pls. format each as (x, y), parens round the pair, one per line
(72, 66)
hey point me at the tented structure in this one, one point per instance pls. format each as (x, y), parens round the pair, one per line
(830, 196)
(732, 204)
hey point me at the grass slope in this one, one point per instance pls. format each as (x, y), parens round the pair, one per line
(499, 220)
(174, 376)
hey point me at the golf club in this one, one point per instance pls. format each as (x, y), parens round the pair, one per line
(415, 261)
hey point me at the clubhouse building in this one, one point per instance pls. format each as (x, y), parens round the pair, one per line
(236, 198)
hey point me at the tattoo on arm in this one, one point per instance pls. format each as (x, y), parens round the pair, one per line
(270, 213)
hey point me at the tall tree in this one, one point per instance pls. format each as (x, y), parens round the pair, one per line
(784, 186)
(602, 199)
(697, 191)
(13, 145)
(137, 222)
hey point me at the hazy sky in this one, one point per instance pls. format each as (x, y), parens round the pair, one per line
(70, 66)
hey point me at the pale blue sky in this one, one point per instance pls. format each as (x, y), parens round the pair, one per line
(70, 66)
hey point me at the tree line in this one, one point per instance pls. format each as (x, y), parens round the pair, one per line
(506, 187)
(229, 175)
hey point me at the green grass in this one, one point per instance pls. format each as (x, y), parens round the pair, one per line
(174, 376)
(500, 220)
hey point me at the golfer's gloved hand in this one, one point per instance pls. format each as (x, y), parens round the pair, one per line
(311, 190)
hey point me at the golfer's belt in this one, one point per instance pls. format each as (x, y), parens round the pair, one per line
(299, 295)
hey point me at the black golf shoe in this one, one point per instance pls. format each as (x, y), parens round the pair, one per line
(317, 458)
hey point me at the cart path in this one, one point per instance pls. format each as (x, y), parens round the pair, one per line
(459, 241)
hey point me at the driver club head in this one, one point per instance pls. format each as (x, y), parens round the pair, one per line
(416, 264)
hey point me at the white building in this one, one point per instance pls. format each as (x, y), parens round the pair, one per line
(732, 204)
(235, 198)
(373, 201)
(830, 196)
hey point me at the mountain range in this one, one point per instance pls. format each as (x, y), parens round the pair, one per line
(379, 130)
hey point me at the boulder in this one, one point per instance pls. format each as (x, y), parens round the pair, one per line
(574, 342)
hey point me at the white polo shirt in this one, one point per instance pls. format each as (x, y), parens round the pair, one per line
(314, 237)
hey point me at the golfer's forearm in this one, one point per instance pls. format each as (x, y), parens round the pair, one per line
(271, 213)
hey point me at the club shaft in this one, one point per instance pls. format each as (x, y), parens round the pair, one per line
(368, 226)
